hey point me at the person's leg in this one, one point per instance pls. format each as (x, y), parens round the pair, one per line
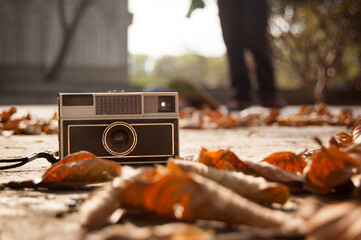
(256, 17)
(231, 18)
(256, 13)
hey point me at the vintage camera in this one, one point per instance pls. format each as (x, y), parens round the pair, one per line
(128, 127)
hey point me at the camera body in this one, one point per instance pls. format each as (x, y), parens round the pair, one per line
(127, 127)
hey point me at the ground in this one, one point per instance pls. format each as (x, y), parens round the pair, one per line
(28, 214)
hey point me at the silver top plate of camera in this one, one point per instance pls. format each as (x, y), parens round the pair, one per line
(113, 105)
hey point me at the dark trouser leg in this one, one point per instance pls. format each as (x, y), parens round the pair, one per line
(256, 13)
(231, 18)
(265, 71)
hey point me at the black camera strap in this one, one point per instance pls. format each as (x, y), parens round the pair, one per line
(17, 162)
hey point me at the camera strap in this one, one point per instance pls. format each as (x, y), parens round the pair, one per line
(17, 162)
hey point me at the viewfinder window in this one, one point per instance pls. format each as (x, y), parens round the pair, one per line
(78, 100)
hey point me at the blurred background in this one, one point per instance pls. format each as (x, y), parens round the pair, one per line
(47, 46)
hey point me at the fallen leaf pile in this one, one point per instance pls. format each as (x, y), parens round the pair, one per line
(26, 124)
(319, 114)
(177, 195)
(192, 118)
(223, 187)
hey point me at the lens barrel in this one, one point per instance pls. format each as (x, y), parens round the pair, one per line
(119, 138)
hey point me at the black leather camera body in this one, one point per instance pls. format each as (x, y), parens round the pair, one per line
(130, 128)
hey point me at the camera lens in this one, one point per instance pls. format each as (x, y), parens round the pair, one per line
(119, 138)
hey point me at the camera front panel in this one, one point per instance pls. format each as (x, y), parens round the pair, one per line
(130, 141)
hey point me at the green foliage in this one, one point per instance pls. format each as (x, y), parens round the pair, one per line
(194, 5)
(140, 75)
(317, 40)
(140, 79)
(210, 72)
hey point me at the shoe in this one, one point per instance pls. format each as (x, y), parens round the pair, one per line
(273, 101)
(238, 104)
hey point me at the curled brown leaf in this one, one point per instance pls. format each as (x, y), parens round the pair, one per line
(356, 132)
(253, 188)
(82, 167)
(97, 210)
(335, 221)
(187, 197)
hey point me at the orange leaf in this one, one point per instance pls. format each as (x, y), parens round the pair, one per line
(274, 173)
(254, 188)
(190, 197)
(330, 168)
(82, 167)
(12, 125)
(170, 190)
(79, 156)
(221, 159)
(356, 132)
(272, 116)
(303, 110)
(287, 161)
(5, 115)
(344, 139)
(228, 122)
(162, 194)
(214, 114)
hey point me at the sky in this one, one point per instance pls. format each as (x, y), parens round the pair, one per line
(160, 28)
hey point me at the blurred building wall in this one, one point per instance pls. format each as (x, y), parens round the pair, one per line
(31, 35)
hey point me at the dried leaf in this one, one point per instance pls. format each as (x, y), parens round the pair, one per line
(51, 126)
(177, 195)
(345, 117)
(26, 124)
(6, 115)
(354, 149)
(214, 115)
(190, 197)
(272, 117)
(227, 121)
(82, 167)
(344, 139)
(287, 161)
(356, 132)
(76, 157)
(221, 159)
(329, 168)
(307, 115)
(275, 173)
(303, 110)
(11, 127)
(227, 160)
(254, 188)
(336, 221)
(168, 231)
(96, 211)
